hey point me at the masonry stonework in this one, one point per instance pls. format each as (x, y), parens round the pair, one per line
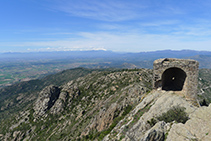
(178, 75)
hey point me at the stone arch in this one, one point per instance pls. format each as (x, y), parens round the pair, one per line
(173, 79)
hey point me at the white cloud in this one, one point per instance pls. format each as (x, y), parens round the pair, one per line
(160, 23)
(130, 42)
(105, 10)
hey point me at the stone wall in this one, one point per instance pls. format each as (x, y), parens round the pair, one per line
(179, 75)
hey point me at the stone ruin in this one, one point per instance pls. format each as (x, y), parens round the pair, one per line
(178, 75)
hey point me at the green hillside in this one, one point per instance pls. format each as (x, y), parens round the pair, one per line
(91, 102)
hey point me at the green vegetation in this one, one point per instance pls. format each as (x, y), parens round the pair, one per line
(31, 88)
(12, 72)
(88, 88)
(204, 87)
(152, 122)
(176, 113)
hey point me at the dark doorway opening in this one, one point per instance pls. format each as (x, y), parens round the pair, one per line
(173, 79)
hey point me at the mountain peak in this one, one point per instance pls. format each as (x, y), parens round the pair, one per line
(106, 104)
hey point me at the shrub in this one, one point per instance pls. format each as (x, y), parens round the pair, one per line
(152, 122)
(204, 103)
(176, 113)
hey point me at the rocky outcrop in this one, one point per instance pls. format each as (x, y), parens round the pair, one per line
(156, 133)
(72, 91)
(46, 100)
(162, 102)
(59, 105)
(108, 106)
(157, 102)
(105, 117)
(197, 128)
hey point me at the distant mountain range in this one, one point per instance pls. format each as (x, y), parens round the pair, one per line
(103, 54)
(115, 59)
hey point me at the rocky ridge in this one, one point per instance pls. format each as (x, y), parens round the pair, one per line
(82, 108)
(196, 128)
(160, 102)
(46, 99)
(107, 105)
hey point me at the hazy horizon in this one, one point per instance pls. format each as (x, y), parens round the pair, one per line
(48, 51)
(8, 52)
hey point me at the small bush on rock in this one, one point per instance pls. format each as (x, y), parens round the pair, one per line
(176, 113)
(152, 122)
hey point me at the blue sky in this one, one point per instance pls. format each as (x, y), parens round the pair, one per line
(117, 25)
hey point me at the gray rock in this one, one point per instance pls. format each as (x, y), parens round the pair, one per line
(155, 136)
(196, 128)
(156, 133)
(161, 102)
(58, 107)
(46, 100)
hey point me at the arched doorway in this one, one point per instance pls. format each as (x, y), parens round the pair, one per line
(173, 79)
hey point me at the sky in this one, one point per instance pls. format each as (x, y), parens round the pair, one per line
(115, 25)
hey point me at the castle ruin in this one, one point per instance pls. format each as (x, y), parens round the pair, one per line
(178, 75)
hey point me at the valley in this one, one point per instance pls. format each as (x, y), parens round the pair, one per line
(18, 67)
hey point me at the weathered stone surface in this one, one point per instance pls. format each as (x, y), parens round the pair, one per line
(108, 111)
(197, 128)
(156, 133)
(18, 136)
(105, 117)
(58, 106)
(72, 91)
(46, 100)
(177, 75)
(161, 102)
